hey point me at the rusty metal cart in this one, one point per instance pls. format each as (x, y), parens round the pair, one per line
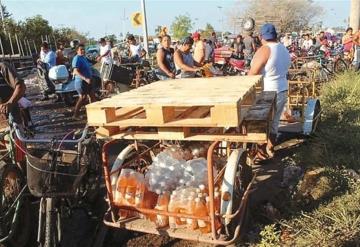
(230, 114)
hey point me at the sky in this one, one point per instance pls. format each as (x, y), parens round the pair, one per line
(102, 17)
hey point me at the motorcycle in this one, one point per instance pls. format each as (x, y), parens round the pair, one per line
(229, 63)
(58, 80)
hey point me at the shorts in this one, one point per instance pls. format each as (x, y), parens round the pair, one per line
(82, 87)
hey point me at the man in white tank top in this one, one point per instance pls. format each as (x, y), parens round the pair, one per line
(273, 61)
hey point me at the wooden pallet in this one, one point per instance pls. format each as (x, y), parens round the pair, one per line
(195, 102)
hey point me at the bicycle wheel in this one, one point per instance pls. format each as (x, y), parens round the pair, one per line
(51, 230)
(340, 66)
(17, 219)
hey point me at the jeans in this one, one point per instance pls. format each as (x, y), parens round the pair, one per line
(281, 100)
(356, 61)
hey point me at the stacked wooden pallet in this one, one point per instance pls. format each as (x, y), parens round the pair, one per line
(186, 109)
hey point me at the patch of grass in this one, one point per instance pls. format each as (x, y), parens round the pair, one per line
(333, 224)
(327, 213)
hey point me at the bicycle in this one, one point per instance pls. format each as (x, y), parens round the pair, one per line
(15, 218)
(58, 178)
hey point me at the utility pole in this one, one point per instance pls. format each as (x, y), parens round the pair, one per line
(145, 32)
(2, 17)
(355, 15)
(123, 20)
(222, 22)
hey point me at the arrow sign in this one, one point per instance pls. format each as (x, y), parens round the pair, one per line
(136, 19)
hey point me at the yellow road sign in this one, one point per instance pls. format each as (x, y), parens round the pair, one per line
(136, 19)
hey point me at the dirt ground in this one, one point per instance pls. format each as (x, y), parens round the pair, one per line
(54, 120)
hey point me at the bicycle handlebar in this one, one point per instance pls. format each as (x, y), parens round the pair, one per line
(33, 140)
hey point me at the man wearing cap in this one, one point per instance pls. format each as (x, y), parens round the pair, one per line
(199, 48)
(273, 61)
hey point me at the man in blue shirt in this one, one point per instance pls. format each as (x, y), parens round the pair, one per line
(49, 57)
(47, 60)
(83, 74)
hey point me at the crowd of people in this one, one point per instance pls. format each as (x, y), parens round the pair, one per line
(185, 58)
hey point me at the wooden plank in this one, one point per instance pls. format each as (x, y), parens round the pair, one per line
(159, 114)
(186, 92)
(108, 131)
(173, 133)
(258, 113)
(187, 122)
(142, 135)
(227, 116)
(100, 115)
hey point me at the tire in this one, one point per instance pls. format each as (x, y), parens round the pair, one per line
(51, 233)
(248, 24)
(340, 66)
(69, 99)
(10, 174)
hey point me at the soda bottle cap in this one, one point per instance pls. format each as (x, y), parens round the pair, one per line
(202, 187)
(198, 190)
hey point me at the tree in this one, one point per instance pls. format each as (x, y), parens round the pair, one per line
(287, 15)
(112, 38)
(181, 26)
(5, 12)
(34, 28)
(208, 31)
(66, 34)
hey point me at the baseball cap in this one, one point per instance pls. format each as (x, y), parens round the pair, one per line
(196, 35)
(268, 31)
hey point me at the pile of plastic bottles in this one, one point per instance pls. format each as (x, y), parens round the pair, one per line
(167, 173)
(170, 184)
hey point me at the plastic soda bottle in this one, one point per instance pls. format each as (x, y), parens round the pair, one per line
(217, 221)
(140, 192)
(182, 209)
(121, 186)
(191, 223)
(131, 188)
(173, 209)
(201, 210)
(162, 205)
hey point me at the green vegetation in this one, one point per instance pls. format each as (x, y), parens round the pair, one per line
(181, 26)
(324, 210)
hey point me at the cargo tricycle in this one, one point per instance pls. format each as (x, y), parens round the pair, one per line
(216, 123)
